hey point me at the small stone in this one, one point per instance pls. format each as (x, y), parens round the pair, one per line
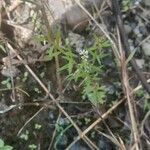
(63, 140)
(146, 2)
(77, 41)
(63, 121)
(132, 47)
(137, 3)
(133, 25)
(143, 30)
(136, 31)
(146, 48)
(10, 72)
(140, 63)
(51, 115)
(128, 28)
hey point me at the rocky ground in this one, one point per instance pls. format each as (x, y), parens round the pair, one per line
(60, 75)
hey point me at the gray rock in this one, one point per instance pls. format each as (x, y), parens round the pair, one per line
(77, 41)
(143, 30)
(136, 31)
(132, 47)
(146, 2)
(10, 72)
(146, 47)
(140, 63)
(128, 28)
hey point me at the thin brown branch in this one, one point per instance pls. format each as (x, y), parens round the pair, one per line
(130, 101)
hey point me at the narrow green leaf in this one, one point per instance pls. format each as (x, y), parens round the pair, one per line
(130, 56)
(1, 143)
(2, 48)
(6, 148)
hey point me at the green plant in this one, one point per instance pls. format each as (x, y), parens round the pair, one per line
(127, 4)
(29, 136)
(60, 131)
(4, 147)
(37, 126)
(87, 69)
(25, 76)
(84, 68)
(37, 90)
(147, 104)
(32, 146)
(25, 136)
(2, 48)
(7, 83)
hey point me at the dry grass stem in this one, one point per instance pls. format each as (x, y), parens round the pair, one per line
(19, 132)
(130, 100)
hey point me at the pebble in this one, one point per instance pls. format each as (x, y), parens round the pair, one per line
(77, 41)
(136, 31)
(63, 140)
(128, 29)
(146, 2)
(146, 47)
(143, 30)
(140, 63)
(10, 72)
(133, 25)
(63, 121)
(132, 47)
